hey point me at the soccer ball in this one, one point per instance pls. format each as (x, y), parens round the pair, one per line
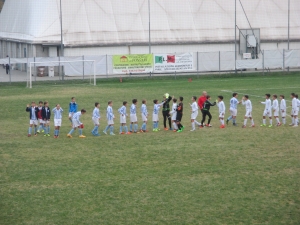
(167, 95)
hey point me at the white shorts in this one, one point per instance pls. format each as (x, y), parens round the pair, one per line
(155, 117)
(122, 119)
(95, 120)
(267, 113)
(47, 122)
(283, 114)
(221, 115)
(174, 116)
(110, 122)
(233, 112)
(75, 123)
(41, 121)
(57, 122)
(144, 118)
(295, 112)
(248, 114)
(70, 114)
(33, 122)
(276, 113)
(133, 118)
(194, 115)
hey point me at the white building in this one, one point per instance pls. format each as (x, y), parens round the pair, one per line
(98, 27)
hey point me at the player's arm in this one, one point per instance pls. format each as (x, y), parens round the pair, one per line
(27, 108)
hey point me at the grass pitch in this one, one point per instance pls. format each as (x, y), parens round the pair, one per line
(211, 176)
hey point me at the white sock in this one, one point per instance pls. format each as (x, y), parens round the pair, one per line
(245, 122)
(264, 121)
(222, 121)
(252, 122)
(197, 123)
(293, 120)
(283, 120)
(175, 126)
(270, 121)
(277, 120)
(193, 125)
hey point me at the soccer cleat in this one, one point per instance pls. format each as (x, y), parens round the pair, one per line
(227, 122)
(35, 134)
(155, 130)
(270, 126)
(234, 124)
(179, 131)
(111, 133)
(82, 136)
(278, 124)
(69, 135)
(200, 126)
(174, 130)
(253, 125)
(43, 131)
(137, 132)
(54, 136)
(263, 125)
(141, 131)
(182, 128)
(45, 135)
(166, 129)
(244, 126)
(222, 126)
(295, 126)
(104, 132)
(192, 130)
(208, 125)
(128, 133)
(48, 135)
(38, 131)
(28, 135)
(291, 124)
(96, 135)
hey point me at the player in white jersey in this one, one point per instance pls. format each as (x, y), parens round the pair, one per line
(76, 123)
(267, 111)
(222, 109)
(110, 119)
(294, 110)
(275, 108)
(95, 119)
(282, 108)
(194, 113)
(57, 111)
(123, 116)
(133, 117)
(144, 113)
(298, 105)
(248, 105)
(233, 109)
(173, 114)
(155, 119)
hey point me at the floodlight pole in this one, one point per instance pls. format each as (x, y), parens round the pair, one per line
(61, 39)
(235, 36)
(288, 24)
(149, 27)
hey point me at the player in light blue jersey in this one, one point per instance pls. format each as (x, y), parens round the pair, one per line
(110, 119)
(155, 120)
(123, 116)
(133, 117)
(233, 109)
(72, 108)
(57, 111)
(96, 118)
(144, 116)
(76, 123)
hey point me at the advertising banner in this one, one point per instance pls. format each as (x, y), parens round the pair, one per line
(129, 64)
(173, 62)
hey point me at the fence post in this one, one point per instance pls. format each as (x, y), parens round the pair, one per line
(106, 66)
(263, 61)
(197, 65)
(34, 68)
(83, 67)
(9, 68)
(283, 66)
(219, 62)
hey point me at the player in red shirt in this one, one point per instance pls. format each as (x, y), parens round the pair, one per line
(201, 101)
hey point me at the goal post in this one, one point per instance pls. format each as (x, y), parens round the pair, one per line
(66, 64)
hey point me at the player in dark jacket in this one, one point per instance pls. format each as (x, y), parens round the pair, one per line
(179, 115)
(206, 106)
(46, 114)
(166, 111)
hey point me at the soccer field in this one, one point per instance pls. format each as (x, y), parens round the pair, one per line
(211, 176)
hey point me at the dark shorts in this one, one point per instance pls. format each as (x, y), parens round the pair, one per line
(178, 117)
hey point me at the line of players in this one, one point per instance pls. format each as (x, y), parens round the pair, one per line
(41, 114)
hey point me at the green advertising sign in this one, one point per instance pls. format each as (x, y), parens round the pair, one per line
(126, 64)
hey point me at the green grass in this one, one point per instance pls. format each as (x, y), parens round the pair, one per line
(211, 176)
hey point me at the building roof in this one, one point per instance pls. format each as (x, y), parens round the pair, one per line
(115, 22)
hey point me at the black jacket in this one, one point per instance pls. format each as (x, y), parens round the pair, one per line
(207, 105)
(166, 105)
(46, 114)
(36, 109)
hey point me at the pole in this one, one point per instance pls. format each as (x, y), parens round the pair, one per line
(9, 68)
(288, 28)
(61, 39)
(83, 68)
(149, 27)
(197, 65)
(235, 36)
(34, 69)
(94, 73)
(263, 61)
(106, 67)
(219, 62)
(30, 85)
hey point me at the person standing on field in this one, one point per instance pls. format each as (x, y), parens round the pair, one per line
(202, 99)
